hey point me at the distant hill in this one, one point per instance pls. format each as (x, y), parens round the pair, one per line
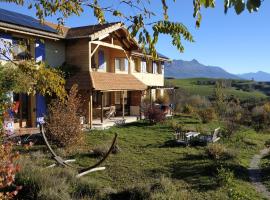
(258, 76)
(193, 69)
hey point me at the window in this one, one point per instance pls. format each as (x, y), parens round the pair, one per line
(5, 44)
(143, 66)
(121, 64)
(117, 64)
(155, 70)
(162, 67)
(101, 60)
(137, 65)
(21, 49)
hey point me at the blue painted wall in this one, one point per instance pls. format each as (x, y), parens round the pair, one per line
(40, 100)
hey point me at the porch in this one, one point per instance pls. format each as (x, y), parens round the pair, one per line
(97, 125)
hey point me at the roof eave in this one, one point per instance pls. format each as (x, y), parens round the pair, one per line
(29, 31)
(143, 55)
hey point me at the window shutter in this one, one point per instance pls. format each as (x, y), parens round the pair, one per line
(101, 60)
(126, 64)
(143, 66)
(5, 45)
(154, 67)
(39, 51)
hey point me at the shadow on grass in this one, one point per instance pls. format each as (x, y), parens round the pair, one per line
(173, 143)
(197, 171)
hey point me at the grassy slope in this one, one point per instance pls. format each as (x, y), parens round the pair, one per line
(191, 86)
(265, 165)
(144, 158)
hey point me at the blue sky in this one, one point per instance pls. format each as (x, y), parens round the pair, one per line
(238, 44)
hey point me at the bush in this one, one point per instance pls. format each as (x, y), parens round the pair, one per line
(63, 122)
(56, 184)
(207, 115)
(267, 143)
(8, 170)
(163, 99)
(198, 102)
(261, 117)
(224, 177)
(154, 114)
(217, 151)
(188, 109)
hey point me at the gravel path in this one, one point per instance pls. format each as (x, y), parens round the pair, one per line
(255, 172)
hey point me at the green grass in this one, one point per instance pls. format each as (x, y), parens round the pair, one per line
(191, 86)
(144, 158)
(265, 165)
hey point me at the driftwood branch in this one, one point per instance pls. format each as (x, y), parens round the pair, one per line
(65, 163)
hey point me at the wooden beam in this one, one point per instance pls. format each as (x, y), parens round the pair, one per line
(141, 105)
(105, 31)
(123, 104)
(121, 40)
(93, 52)
(101, 110)
(91, 110)
(107, 45)
(90, 56)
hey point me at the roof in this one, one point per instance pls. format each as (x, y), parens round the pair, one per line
(15, 18)
(105, 81)
(139, 52)
(86, 31)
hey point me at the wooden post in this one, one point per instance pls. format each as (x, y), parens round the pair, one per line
(90, 117)
(151, 97)
(141, 105)
(101, 110)
(20, 110)
(123, 104)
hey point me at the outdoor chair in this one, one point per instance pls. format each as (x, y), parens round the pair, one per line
(110, 113)
(211, 138)
(181, 137)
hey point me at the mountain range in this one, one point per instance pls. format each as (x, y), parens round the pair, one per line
(257, 76)
(194, 69)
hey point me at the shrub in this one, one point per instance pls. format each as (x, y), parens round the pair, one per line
(267, 143)
(177, 126)
(207, 115)
(8, 170)
(163, 99)
(224, 177)
(154, 114)
(56, 184)
(233, 117)
(217, 151)
(261, 116)
(63, 122)
(198, 102)
(188, 109)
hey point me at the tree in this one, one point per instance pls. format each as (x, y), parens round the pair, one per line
(22, 77)
(145, 23)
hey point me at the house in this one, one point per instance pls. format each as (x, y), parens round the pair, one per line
(113, 71)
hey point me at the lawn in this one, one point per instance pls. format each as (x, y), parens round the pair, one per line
(147, 156)
(193, 88)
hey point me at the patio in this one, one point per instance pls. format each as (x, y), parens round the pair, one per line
(111, 122)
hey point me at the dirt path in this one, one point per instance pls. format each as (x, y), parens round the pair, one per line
(255, 172)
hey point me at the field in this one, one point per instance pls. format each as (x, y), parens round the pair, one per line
(146, 159)
(193, 88)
